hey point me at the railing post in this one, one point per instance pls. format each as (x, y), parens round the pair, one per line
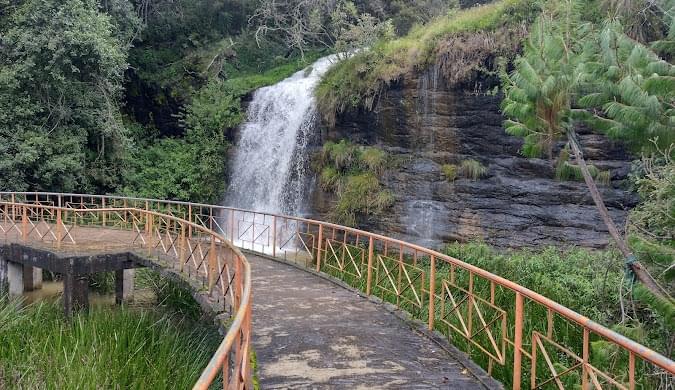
(371, 253)
(232, 226)
(318, 249)
(190, 220)
(59, 233)
(24, 224)
(104, 213)
(274, 236)
(238, 287)
(432, 292)
(182, 246)
(518, 342)
(584, 356)
(147, 218)
(212, 264)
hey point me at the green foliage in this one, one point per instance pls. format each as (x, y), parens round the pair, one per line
(351, 172)
(374, 160)
(61, 69)
(104, 348)
(566, 170)
(582, 280)
(472, 169)
(358, 81)
(538, 93)
(450, 171)
(628, 90)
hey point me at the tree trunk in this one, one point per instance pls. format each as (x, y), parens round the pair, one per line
(638, 269)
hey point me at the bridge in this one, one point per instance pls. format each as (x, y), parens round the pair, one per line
(322, 305)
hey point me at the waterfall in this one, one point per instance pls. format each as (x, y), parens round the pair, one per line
(270, 159)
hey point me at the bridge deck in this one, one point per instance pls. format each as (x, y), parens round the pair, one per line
(311, 333)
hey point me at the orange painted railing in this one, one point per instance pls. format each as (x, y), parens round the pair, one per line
(210, 263)
(516, 334)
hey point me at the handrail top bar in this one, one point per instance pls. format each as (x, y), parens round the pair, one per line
(632, 346)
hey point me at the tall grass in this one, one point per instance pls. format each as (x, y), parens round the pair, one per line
(104, 348)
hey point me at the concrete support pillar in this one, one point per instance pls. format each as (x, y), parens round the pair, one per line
(15, 278)
(4, 280)
(32, 278)
(75, 293)
(124, 285)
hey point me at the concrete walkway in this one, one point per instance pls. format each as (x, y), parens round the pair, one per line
(312, 334)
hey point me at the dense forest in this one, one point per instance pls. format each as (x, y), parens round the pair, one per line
(142, 97)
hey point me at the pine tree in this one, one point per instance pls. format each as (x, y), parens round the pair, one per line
(541, 102)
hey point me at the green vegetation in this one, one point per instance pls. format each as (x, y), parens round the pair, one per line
(472, 169)
(446, 41)
(589, 282)
(105, 348)
(579, 67)
(352, 173)
(565, 170)
(449, 171)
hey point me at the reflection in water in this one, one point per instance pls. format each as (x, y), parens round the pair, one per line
(53, 290)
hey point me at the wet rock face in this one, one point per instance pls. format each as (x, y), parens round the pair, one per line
(423, 125)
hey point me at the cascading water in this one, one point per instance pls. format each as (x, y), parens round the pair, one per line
(268, 171)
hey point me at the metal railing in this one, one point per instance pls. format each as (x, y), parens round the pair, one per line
(205, 259)
(516, 334)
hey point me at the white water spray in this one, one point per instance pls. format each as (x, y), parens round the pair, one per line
(268, 171)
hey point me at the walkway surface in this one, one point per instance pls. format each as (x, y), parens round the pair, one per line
(310, 333)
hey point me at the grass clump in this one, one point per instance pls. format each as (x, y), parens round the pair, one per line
(359, 80)
(565, 171)
(104, 348)
(472, 169)
(352, 173)
(449, 171)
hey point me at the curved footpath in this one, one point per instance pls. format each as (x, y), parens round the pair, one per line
(310, 333)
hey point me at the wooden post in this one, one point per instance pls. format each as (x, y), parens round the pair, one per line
(371, 253)
(518, 342)
(432, 292)
(318, 249)
(104, 213)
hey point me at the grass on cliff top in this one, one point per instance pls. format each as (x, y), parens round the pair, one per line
(358, 80)
(105, 348)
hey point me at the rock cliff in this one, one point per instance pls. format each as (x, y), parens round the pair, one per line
(424, 124)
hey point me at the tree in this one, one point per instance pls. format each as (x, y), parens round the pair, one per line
(61, 69)
(540, 100)
(304, 24)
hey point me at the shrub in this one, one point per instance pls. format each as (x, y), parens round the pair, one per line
(472, 169)
(373, 159)
(567, 171)
(351, 172)
(449, 171)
